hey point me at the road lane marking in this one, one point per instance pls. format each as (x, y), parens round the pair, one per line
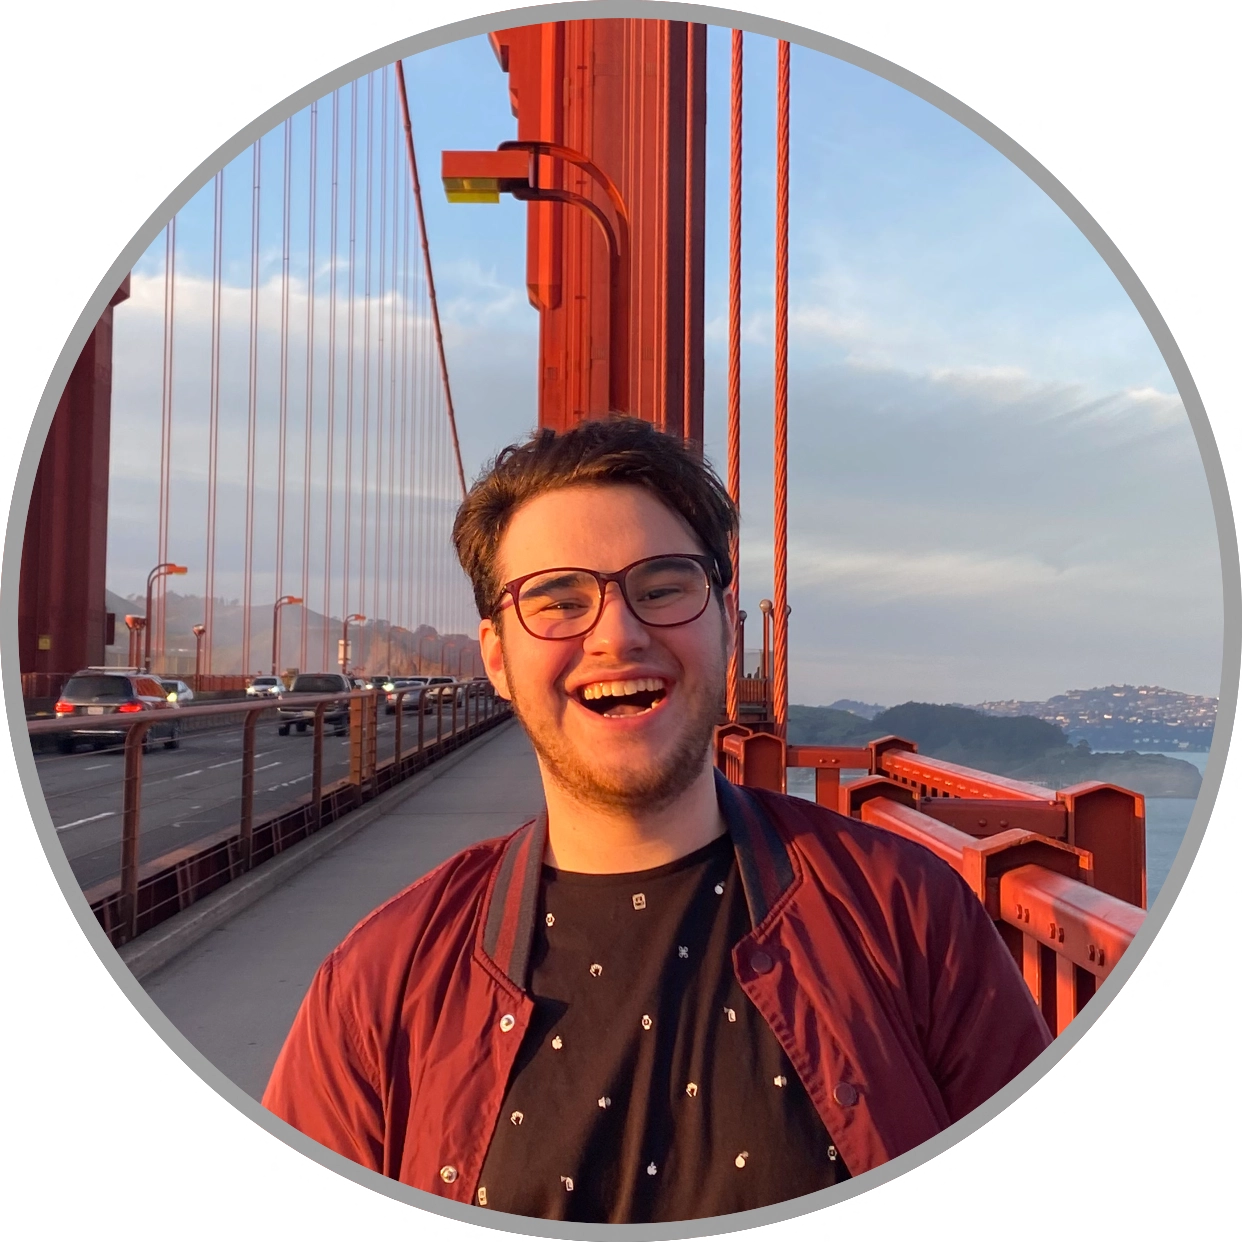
(265, 767)
(89, 819)
(225, 764)
(182, 775)
(97, 766)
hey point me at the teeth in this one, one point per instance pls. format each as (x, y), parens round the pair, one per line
(618, 689)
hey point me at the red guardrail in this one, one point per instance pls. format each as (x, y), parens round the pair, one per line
(145, 894)
(1062, 872)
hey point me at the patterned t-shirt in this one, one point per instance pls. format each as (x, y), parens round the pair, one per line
(648, 1087)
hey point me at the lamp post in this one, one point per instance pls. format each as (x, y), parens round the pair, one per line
(280, 603)
(199, 631)
(135, 625)
(356, 616)
(167, 569)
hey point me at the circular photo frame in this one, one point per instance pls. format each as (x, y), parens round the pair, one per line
(1161, 906)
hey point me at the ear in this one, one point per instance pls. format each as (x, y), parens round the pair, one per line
(729, 608)
(493, 657)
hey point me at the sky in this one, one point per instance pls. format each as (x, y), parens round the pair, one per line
(994, 489)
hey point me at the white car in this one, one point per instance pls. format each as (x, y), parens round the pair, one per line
(266, 688)
(178, 691)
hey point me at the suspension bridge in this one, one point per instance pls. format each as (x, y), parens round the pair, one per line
(308, 462)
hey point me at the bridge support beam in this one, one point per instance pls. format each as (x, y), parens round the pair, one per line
(629, 95)
(62, 617)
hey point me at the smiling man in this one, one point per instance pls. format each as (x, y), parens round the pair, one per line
(667, 997)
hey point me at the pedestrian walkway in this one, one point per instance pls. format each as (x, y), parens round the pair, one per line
(235, 993)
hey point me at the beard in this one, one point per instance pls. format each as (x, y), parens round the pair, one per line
(629, 789)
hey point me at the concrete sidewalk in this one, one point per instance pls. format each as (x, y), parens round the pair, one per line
(234, 994)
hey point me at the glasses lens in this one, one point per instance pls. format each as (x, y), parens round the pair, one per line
(559, 604)
(668, 591)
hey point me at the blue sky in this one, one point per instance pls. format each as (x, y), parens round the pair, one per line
(994, 489)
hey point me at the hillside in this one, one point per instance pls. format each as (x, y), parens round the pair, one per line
(1022, 747)
(375, 647)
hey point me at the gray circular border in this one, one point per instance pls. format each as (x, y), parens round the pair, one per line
(1231, 656)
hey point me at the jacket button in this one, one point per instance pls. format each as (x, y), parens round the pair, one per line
(506, 1024)
(761, 962)
(448, 1174)
(845, 1094)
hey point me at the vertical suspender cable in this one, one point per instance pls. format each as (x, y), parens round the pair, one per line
(347, 543)
(733, 686)
(330, 438)
(284, 382)
(213, 421)
(308, 445)
(392, 384)
(780, 617)
(403, 614)
(252, 403)
(431, 283)
(155, 624)
(380, 343)
(366, 355)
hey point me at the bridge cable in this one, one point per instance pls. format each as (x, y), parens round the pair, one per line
(330, 434)
(780, 610)
(308, 446)
(431, 284)
(252, 401)
(155, 628)
(281, 451)
(213, 422)
(734, 683)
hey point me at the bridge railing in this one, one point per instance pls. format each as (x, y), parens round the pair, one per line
(1061, 872)
(143, 894)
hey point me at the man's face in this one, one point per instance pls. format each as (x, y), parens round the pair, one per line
(623, 758)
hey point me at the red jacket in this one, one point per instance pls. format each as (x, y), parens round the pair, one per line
(875, 966)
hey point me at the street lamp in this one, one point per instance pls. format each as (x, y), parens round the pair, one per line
(344, 654)
(167, 569)
(199, 631)
(135, 626)
(280, 603)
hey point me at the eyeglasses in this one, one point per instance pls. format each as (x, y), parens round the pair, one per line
(660, 591)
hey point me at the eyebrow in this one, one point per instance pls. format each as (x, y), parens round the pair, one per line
(567, 578)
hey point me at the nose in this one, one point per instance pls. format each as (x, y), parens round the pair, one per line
(618, 632)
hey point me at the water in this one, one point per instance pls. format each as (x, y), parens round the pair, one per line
(1167, 820)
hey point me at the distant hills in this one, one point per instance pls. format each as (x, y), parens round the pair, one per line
(376, 647)
(1020, 746)
(1105, 717)
(1123, 717)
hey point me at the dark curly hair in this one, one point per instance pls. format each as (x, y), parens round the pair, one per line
(617, 450)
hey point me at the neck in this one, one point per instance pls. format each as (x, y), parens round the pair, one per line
(604, 840)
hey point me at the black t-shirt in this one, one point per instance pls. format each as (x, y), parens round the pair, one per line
(648, 1087)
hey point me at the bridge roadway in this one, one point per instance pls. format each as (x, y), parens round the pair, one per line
(234, 993)
(190, 792)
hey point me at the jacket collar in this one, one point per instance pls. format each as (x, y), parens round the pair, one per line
(763, 861)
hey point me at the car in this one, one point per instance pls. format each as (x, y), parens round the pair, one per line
(265, 688)
(439, 693)
(177, 690)
(380, 681)
(102, 693)
(412, 686)
(337, 714)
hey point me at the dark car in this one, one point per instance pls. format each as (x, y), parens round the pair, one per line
(96, 693)
(337, 714)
